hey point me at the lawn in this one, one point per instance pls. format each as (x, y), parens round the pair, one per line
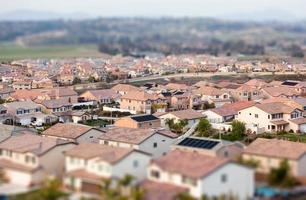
(10, 51)
(96, 123)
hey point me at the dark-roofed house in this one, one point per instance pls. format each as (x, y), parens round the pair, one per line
(202, 174)
(88, 164)
(28, 159)
(139, 121)
(73, 132)
(155, 142)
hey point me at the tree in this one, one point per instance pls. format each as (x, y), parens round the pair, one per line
(76, 80)
(281, 176)
(176, 127)
(91, 79)
(185, 196)
(204, 128)
(51, 190)
(238, 129)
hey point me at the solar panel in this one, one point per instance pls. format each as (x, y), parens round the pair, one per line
(198, 143)
(143, 118)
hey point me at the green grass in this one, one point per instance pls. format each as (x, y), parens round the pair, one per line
(10, 51)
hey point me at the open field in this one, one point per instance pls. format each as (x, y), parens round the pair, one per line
(9, 51)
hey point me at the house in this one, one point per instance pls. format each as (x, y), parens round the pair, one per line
(227, 112)
(139, 121)
(257, 83)
(56, 105)
(190, 115)
(273, 117)
(214, 95)
(269, 153)
(210, 147)
(202, 174)
(181, 101)
(77, 133)
(143, 102)
(247, 93)
(22, 85)
(123, 89)
(88, 164)
(8, 131)
(29, 159)
(100, 96)
(281, 91)
(28, 113)
(74, 116)
(155, 142)
(64, 93)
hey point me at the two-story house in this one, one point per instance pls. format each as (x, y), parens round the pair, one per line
(202, 174)
(88, 164)
(29, 113)
(214, 95)
(143, 102)
(273, 117)
(101, 96)
(155, 142)
(29, 159)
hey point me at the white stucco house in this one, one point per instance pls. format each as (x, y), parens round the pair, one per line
(155, 142)
(88, 164)
(29, 159)
(201, 174)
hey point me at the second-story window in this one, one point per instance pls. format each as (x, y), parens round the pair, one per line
(155, 174)
(223, 178)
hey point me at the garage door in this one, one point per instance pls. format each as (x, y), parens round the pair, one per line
(90, 188)
(303, 128)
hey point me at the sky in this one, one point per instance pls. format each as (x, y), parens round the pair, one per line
(253, 9)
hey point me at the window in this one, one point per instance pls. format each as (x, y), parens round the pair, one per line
(189, 181)
(155, 144)
(135, 163)
(250, 113)
(256, 115)
(268, 116)
(155, 174)
(268, 126)
(105, 142)
(223, 178)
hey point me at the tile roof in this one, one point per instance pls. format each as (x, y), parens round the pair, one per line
(190, 164)
(5, 163)
(164, 191)
(83, 174)
(109, 154)
(187, 114)
(55, 103)
(274, 108)
(141, 96)
(281, 90)
(210, 91)
(276, 148)
(29, 143)
(125, 88)
(21, 104)
(127, 135)
(108, 93)
(68, 130)
(298, 121)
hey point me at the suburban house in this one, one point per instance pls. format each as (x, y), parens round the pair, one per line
(190, 115)
(202, 174)
(227, 112)
(181, 101)
(214, 95)
(77, 133)
(269, 153)
(273, 117)
(155, 142)
(100, 96)
(123, 89)
(29, 159)
(28, 113)
(74, 116)
(22, 85)
(138, 121)
(56, 105)
(281, 91)
(247, 93)
(143, 102)
(88, 164)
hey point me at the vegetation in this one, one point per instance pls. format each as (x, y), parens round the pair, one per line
(76, 80)
(123, 190)
(285, 136)
(51, 190)
(204, 128)
(249, 163)
(95, 123)
(177, 127)
(281, 176)
(91, 79)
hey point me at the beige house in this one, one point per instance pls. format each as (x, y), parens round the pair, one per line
(271, 152)
(273, 117)
(100, 96)
(143, 102)
(138, 121)
(29, 159)
(214, 95)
